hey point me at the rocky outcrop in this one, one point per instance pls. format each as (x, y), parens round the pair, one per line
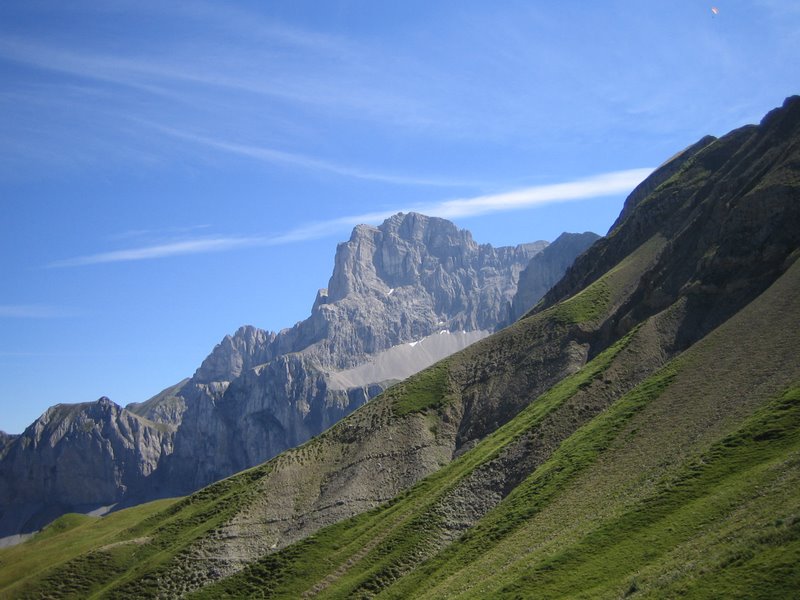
(79, 457)
(408, 278)
(546, 268)
(245, 349)
(5, 441)
(230, 425)
(260, 393)
(166, 407)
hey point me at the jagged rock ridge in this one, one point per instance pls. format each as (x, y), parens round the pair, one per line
(408, 278)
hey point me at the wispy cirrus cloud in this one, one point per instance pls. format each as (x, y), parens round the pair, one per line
(606, 184)
(177, 248)
(181, 81)
(598, 186)
(134, 73)
(162, 231)
(272, 155)
(310, 231)
(311, 75)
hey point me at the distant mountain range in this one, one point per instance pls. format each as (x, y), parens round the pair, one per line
(402, 296)
(635, 434)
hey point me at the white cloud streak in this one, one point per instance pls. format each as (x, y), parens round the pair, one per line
(140, 233)
(271, 155)
(183, 247)
(606, 184)
(311, 231)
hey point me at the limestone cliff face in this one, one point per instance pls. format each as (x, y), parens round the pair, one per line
(269, 408)
(412, 276)
(81, 456)
(258, 392)
(245, 349)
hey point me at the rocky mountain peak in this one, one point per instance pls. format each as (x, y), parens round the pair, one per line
(248, 347)
(362, 231)
(440, 237)
(392, 254)
(402, 251)
(411, 276)
(63, 420)
(431, 231)
(78, 455)
(352, 273)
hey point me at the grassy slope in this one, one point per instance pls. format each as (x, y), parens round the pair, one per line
(405, 527)
(164, 537)
(402, 527)
(672, 419)
(669, 469)
(91, 555)
(594, 302)
(63, 540)
(605, 469)
(683, 508)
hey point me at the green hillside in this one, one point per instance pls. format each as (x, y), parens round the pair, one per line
(637, 434)
(688, 483)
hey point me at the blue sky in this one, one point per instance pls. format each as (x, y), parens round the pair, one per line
(170, 171)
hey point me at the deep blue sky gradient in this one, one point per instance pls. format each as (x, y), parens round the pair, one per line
(137, 128)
